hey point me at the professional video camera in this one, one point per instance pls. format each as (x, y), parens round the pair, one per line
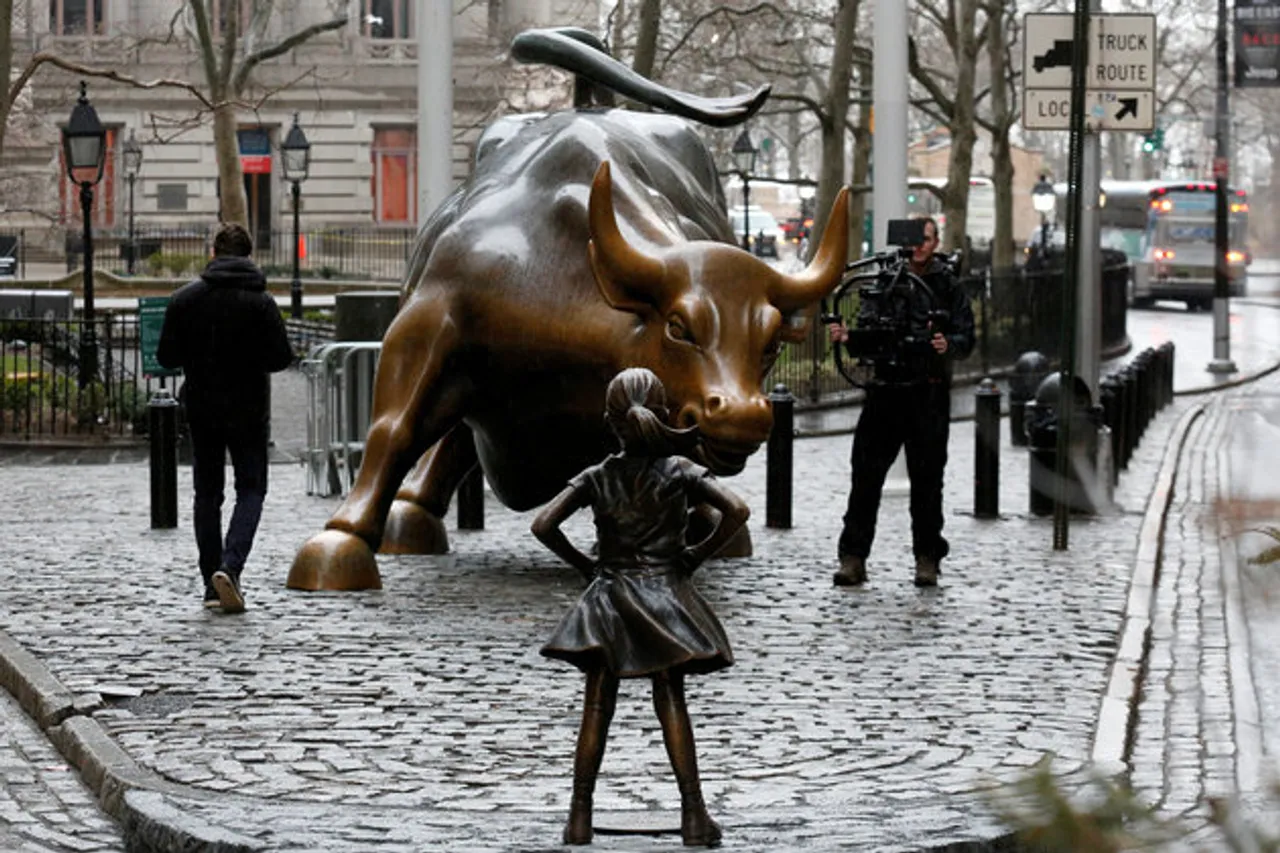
(897, 312)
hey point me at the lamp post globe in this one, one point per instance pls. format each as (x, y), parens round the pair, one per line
(1044, 199)
(295, 154)
(84, 147)
(744, 158)
(132, 156)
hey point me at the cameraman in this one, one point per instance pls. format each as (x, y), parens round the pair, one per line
(908, 405)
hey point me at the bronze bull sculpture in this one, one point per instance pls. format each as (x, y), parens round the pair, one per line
(583, 243)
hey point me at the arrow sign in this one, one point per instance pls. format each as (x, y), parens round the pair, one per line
(1128, 107)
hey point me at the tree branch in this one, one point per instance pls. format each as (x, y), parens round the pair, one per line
(272, 51)
(44, 58)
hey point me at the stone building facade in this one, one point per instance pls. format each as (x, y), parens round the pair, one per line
(354, 91)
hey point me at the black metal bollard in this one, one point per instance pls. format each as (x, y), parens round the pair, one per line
(986, 465)
(1129, 375)
(162, 421)
(1170, 350)
(471, 500)
(1028, 372)
(779, 459)
(1109, 393)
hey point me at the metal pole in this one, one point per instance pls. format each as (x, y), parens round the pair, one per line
(986, 460)
(1222, 362)
(889, 151)
(1089, 277)
(889, 143)
(88, 331)
(779, 460)
(746, 212)
(133, 246)
(471, 500)
(1067, 375)
(435, 105)
(163, 417)
(295, 286)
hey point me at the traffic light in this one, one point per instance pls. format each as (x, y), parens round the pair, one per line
(1153, 141)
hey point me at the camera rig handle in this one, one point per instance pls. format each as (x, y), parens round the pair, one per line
(891, 263)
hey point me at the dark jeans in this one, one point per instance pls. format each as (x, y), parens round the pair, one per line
(211, 439)
(917, 417)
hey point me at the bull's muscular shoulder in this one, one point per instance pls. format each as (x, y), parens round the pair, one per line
(521, 218)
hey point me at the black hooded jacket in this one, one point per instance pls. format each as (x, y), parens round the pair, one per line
(226, 334)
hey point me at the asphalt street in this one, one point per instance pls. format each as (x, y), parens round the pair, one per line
(421, 717)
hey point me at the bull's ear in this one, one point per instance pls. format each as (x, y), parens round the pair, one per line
(628, 279)
(802, 291)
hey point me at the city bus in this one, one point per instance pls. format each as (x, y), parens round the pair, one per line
(1178, 248)
(1166, 229)
(980, 226)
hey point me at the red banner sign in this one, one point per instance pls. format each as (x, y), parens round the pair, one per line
(255, 164)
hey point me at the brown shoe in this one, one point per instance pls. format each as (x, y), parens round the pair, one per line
(927, 571)
(853, 571)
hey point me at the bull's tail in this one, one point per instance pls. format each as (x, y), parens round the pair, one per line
(580, 52)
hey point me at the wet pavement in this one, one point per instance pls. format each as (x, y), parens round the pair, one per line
(421, 717)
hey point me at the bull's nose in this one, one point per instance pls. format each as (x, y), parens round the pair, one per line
(729, 418)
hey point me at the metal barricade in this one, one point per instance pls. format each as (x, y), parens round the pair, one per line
(339, 410)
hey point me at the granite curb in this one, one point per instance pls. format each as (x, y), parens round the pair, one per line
(1119, 704)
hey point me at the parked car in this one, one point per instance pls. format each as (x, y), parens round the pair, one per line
(765, 232)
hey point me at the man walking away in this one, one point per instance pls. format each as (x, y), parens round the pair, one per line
(226, 334)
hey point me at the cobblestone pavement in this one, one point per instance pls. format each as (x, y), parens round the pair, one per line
(44, 805)
(1207, 723)
(421, 717)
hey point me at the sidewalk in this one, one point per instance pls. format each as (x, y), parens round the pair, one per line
(421, 717)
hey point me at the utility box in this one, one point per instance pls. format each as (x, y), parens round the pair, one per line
(364, 315)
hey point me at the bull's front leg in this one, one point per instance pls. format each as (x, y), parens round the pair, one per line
(414, 405)
(416, 522)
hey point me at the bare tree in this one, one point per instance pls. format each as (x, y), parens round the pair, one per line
(952, 93)
(228, 71)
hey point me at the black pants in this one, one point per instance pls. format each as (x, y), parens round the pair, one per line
(917, 417)
(212, 437)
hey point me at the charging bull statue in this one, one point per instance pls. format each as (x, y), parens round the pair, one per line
(584, 242)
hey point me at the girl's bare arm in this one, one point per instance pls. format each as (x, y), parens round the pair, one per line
(546, 526)
(733, 514)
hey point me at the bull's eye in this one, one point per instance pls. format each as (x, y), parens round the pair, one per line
(771, 352)
(677, 330)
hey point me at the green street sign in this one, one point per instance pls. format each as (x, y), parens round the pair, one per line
(150, 321)
(766, 144)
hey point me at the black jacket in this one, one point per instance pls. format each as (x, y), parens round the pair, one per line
(226, 333)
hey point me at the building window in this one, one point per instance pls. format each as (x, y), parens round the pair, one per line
(77, 17)
(387, 19)
(103, 211)
(395, 174)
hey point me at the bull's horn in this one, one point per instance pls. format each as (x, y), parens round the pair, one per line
(823, 273)
(625, 276)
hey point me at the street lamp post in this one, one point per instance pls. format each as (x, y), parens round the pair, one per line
(744, 157)
(132, 163)
(296, 154)
(1044, 200)
(84, 146)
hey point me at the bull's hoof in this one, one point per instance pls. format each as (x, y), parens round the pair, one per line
(334, 560)
(410, 529)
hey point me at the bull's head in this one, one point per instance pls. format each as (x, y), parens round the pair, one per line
(710, 320)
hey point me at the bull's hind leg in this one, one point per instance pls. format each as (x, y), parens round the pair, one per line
(414, 405)
(416, 522)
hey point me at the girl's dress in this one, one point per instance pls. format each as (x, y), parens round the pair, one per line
(641, 614)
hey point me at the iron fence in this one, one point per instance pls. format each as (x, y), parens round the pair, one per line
(349, 254)
(1013, 313)
(43, 394)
